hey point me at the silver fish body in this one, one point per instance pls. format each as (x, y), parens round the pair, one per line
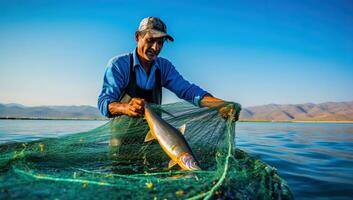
(171, 140)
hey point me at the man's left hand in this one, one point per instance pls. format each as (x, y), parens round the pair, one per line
(226, 109)
(231, 110)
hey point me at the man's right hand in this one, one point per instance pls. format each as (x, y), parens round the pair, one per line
(135, 108)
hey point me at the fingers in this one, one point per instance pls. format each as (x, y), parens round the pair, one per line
(137, 101)
(136, 110)
(233, 114)
(224, 112)
(228, 111)
(134, 114)
(136, 107)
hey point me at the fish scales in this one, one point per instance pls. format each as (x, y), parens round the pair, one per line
(171, 140)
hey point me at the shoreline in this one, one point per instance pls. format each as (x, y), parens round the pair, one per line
(298, 121)
(53, 118)
(107, 119)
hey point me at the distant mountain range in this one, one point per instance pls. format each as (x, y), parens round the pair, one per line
(20, 111)
(330, 111)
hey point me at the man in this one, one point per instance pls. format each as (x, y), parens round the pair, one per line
(132, 80)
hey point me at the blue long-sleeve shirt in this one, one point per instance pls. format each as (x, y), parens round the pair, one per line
(116, 79)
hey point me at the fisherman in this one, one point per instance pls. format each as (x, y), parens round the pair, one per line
(133, 79)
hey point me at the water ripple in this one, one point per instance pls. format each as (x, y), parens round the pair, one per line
(315, 159)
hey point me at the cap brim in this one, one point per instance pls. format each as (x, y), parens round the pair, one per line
(159, 34)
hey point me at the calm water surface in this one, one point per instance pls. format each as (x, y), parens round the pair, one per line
(315, 159)
(26, 130)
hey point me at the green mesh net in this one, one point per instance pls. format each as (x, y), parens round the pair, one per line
(113, 161)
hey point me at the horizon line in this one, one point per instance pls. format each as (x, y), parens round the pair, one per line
(26, 105)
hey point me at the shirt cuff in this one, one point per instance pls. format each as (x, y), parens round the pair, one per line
(105, 109)
(198, 98)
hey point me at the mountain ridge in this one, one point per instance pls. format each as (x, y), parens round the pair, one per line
(21, 111)
(328, 111)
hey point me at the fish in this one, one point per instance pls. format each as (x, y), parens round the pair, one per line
(171, 140)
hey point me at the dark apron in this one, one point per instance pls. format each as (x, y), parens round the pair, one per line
(123, 138)
(133, 90)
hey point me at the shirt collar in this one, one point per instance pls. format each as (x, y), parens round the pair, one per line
(137, 61)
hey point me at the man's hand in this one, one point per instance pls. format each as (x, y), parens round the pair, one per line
(231, 110)
(226, 109)
(135, 108)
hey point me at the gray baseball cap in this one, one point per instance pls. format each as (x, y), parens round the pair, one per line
(155, 26)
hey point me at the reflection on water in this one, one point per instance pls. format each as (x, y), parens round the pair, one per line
(314, 158)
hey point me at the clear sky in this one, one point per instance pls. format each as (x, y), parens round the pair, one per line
(252, 52)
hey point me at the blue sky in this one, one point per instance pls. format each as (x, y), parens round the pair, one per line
(252, 52)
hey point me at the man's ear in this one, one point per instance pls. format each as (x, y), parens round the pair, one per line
(137, 35)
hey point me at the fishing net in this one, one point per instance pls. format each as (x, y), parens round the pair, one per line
(113, 162)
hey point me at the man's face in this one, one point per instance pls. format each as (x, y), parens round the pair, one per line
(149, 47)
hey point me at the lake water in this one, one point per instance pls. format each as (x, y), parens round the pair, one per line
(315, 159)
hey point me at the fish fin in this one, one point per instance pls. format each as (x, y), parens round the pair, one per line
(171, 164)
(149, 137)
(182, 129)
